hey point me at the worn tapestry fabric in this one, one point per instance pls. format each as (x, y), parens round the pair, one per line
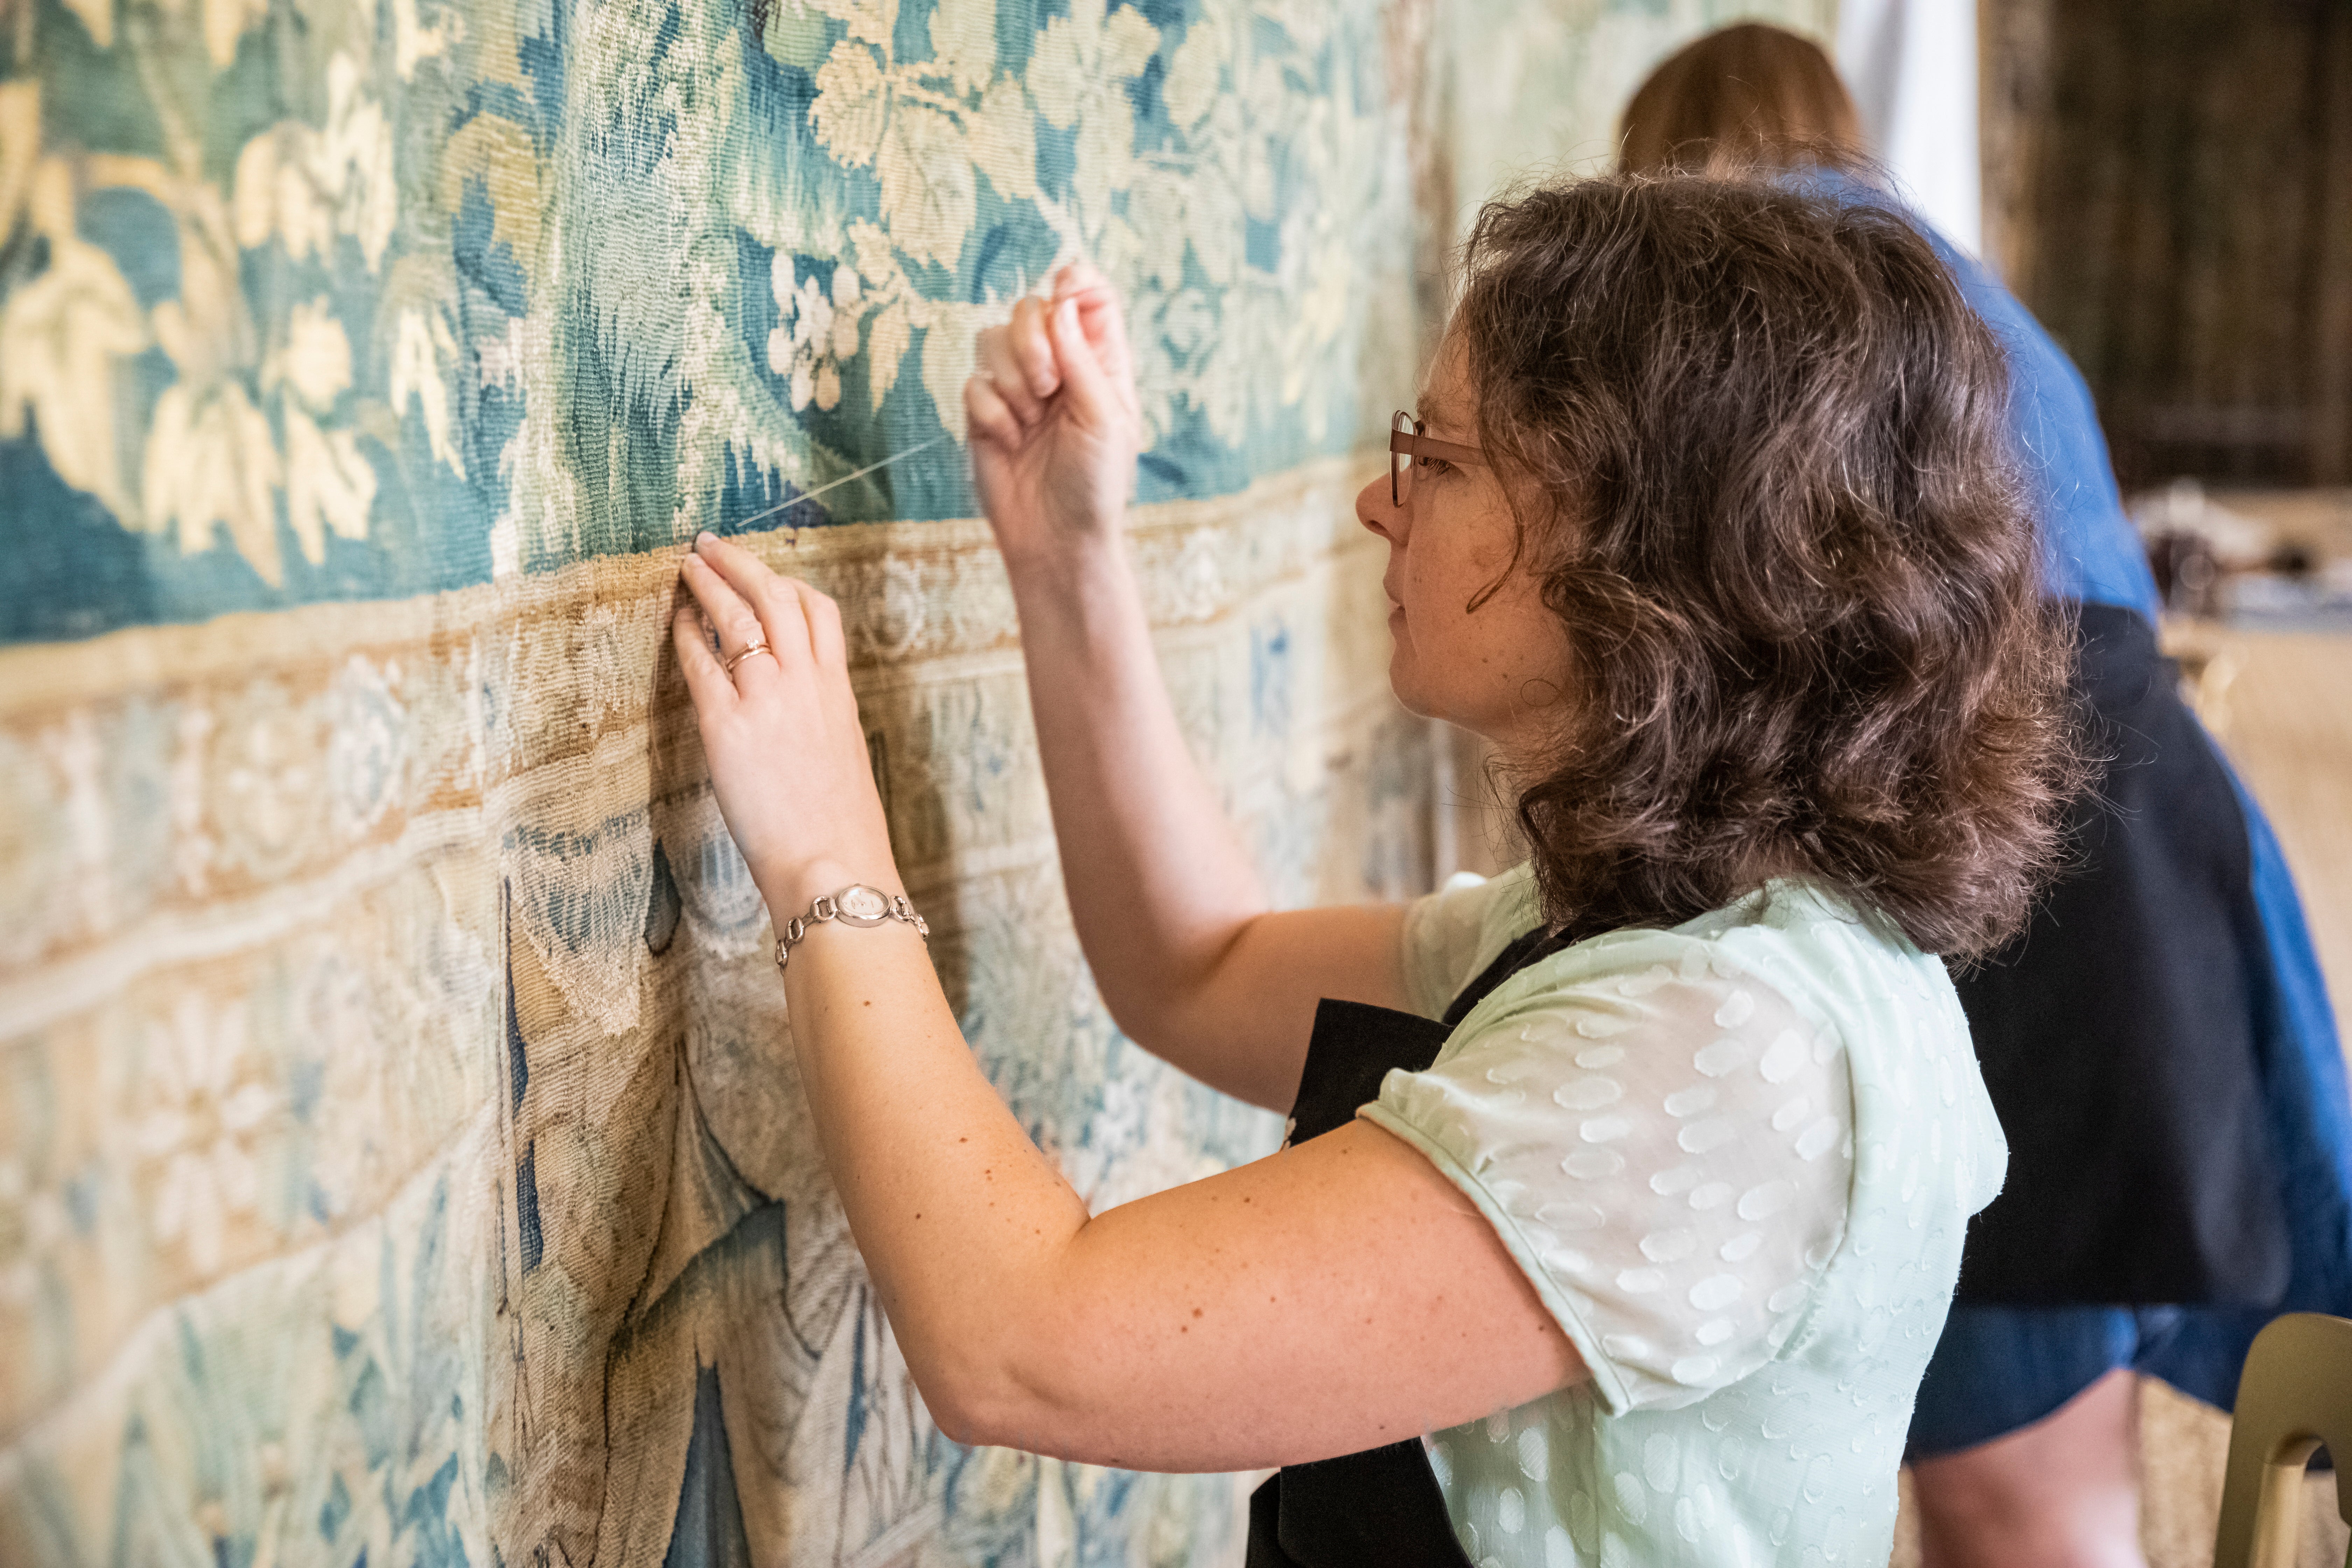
(400, 1161)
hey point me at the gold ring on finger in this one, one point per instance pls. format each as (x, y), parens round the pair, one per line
(760, 647)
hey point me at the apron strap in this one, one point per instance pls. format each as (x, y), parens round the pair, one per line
(1381, 1508)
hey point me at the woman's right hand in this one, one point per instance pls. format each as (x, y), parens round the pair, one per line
(1054, 421)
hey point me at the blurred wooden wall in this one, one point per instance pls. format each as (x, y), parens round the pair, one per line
(2168, 187)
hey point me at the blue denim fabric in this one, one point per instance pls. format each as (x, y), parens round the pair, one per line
(2090, 549)
(1998, 1369)
(2304, 1079)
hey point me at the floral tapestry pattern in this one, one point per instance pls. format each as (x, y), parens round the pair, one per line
(334, 300)
(400, 1156)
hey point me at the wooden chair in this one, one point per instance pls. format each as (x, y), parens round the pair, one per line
(2295, 1395)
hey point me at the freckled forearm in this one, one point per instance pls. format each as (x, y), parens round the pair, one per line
(1324, 1300)
(1157, 879)
(959, 1216)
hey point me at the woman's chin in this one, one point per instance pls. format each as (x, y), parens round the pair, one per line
(1401, 685)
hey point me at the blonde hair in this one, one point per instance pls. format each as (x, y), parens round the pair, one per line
(1747, 95)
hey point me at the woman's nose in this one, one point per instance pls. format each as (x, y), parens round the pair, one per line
(1375, 512)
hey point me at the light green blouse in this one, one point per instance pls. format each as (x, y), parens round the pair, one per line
(1736, 1160)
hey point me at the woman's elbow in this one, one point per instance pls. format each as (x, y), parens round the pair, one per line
(1174, 996)
(957, 1416)
(1148, 1013)
(983, 1398)
(1020, 1362)
(985, 1410)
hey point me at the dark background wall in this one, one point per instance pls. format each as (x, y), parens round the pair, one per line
(2168, 187)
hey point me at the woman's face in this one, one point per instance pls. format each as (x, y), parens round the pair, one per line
(1500, 670)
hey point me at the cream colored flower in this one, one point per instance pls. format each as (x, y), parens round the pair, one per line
(927, 144)
(814, 333)
(305, 184)
(315, 360)
(1082, 58)
(1077, 75)
(32, 1222)
(963, 43)
(330, 487)
(199, 1136)
(419, 347)
(1191, 89)
(60, 336)
(852, 104)
(211, 458)
(930, 196)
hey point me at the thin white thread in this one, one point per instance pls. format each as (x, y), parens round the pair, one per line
(835, 484)
(870, 468)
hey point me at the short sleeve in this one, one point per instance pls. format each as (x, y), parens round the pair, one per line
(1451, 935)
(1663, 1140)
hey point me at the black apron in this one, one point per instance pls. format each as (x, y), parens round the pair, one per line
(2118, 1035)
(1381, 1508)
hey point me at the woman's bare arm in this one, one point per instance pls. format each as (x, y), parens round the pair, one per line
(1333, 1297)
(1168, 908)
(1170, 911)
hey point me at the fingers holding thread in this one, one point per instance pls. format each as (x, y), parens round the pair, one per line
(1001, 366)
(1029, 335)
(986, 414)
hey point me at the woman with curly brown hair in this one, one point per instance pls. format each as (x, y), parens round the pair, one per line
(2158, 1043)
(1625, 1192)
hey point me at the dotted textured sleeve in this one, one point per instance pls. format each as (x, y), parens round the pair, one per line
(1662, 1138)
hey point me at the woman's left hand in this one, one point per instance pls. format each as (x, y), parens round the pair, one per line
(787, 753)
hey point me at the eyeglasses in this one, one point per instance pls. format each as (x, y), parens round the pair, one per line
(1409, 450)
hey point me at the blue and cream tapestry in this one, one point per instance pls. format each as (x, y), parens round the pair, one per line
(400, 1158)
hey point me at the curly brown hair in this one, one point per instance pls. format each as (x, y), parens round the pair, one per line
(1754, 441)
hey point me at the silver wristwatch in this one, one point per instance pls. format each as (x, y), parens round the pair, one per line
(856, 905)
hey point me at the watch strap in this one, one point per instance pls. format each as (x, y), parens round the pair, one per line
(855, 905)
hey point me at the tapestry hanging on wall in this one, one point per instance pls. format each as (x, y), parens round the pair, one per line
(400, 1159)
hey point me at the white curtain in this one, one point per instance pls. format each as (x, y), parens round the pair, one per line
(1912, 65)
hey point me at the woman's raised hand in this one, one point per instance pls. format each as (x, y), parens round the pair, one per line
(787, 753)
(1055, 420)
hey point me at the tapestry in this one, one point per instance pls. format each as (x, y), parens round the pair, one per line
(401, 1161)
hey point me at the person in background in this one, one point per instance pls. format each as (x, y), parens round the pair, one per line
(2158, 1043)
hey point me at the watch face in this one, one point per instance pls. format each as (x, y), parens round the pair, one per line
(862, 902)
